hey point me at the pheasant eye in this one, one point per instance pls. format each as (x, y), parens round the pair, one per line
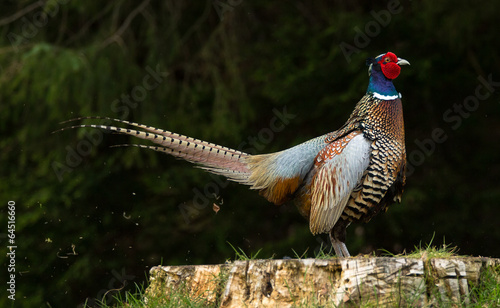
(387, 59)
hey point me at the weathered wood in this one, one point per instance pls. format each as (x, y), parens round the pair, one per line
(386, 281)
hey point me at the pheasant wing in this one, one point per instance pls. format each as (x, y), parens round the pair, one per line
(339, 167)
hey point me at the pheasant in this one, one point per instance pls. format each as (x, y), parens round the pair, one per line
(345, 176)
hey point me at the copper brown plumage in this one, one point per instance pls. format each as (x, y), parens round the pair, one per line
(345, 176)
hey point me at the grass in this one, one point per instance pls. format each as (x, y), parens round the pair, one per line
(427, 252)
(137, 299)
(240, 254)
(179, 297)
(485, 294)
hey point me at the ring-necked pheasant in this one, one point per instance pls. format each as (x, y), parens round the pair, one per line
(344, 176)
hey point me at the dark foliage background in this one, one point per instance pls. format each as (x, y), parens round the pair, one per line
(90, 217)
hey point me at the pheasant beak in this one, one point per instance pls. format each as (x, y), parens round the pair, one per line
(402, 62)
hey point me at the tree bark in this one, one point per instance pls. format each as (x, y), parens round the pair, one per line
(384, 281)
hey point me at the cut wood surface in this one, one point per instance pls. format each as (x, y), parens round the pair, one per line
(383, 281)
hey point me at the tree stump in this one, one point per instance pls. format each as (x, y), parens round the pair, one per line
(380, 281)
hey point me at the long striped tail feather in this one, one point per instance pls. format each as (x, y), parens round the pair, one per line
(236, 175)
(209, 156)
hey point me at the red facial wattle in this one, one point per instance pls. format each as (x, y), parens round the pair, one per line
(389, 65)
(391, 70)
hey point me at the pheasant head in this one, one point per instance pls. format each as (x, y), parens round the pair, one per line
(382, 70)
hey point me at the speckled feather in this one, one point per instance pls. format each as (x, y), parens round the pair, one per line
(382, 123)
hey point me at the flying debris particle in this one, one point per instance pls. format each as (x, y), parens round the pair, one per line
(73, 246)
(216, 208)
(125, 216)
(61, 257)
(73, 253)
